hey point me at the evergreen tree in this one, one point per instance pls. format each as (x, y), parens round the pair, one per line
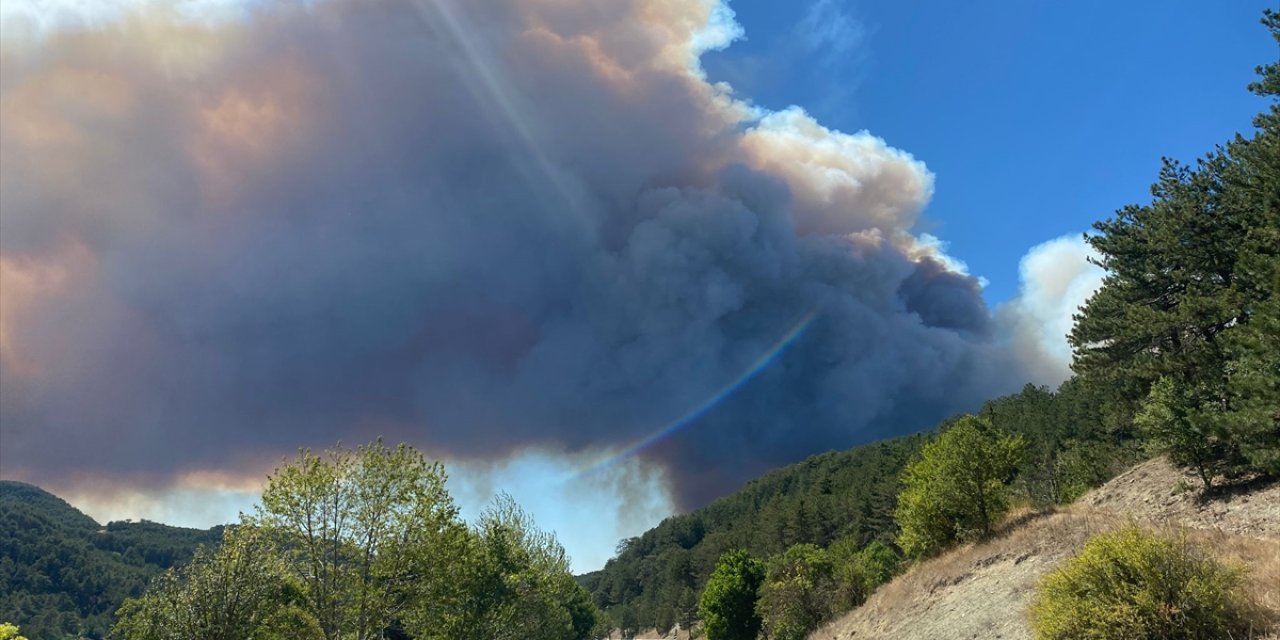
(1187, 275)
(1254, 347)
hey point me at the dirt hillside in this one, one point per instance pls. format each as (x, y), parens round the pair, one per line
(982, 591)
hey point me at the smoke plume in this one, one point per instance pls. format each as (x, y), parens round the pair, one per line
(1057, 278)
(482, 227)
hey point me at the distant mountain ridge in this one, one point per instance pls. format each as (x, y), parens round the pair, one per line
(62, 574)
(55, 508)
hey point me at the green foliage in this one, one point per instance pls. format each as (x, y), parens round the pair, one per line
(858, 572)
(63, 574)
(373, 541)
(516, 585)
(797, 593)
(1178, 421)
(958, 487)
(351, 544)
(1253, 347)
(655, 579)
(1254, 384)
(845, 501)
(1069, 447)
(728, 605)
(365, 533)
(1129, 584)
(10, 632)
(240, 591)
(1183, 329)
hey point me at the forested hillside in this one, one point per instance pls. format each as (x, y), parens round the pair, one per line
(1178, 353)
(846, 501)
(64, 575)
(655, 580)
(363, 543)
(983, 590)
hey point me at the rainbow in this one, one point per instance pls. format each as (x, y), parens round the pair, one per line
(689, 417)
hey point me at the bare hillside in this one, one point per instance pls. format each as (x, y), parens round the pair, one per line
(982, 591)
(1156, 492)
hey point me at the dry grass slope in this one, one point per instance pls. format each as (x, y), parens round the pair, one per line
(982, 591)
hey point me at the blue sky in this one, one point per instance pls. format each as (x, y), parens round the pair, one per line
(1036, 117)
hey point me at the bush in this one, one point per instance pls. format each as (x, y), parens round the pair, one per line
(796, 596)
(9, 632)
(1129, 584)
(956, 489)
(728, 605)
(858, 572)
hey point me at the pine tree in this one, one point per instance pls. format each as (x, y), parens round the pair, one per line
(1187, 275)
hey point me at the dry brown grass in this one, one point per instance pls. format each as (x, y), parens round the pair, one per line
(1260, 557)
(981, 591)
(976, 590)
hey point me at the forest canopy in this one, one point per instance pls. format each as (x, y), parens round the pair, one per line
(367, 543)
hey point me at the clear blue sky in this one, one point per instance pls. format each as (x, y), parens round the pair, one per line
(1036, 117)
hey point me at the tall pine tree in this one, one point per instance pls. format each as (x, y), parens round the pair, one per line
(1178, 329)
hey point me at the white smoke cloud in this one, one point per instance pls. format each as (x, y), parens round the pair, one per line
(1056, 280)
(840, 183)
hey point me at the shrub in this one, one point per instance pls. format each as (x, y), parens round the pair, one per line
(956, 489)
(1129, 584)
(9, 631)
(796, 596)
(858, 572)
(728, 605)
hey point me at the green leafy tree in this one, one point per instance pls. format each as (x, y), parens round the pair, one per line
(958, 488)
(858, 572)
(10, 632)
(370, 535)
(797, 593)
(518, 584)
(241, 591)
(728, 605)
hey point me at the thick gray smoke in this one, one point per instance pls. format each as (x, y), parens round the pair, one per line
(476, 226)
